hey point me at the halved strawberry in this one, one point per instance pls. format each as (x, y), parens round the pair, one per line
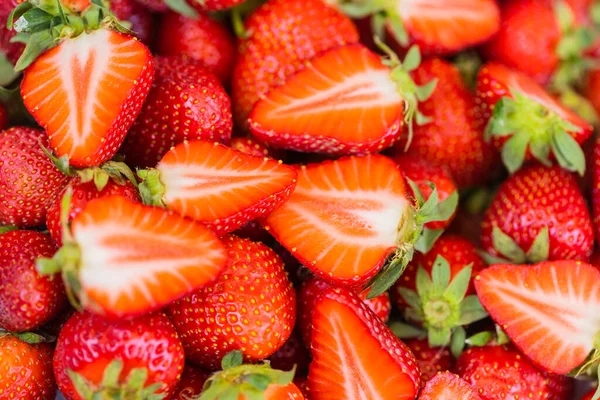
(346, 217)
(549, 310)
(448, 386)
(346, 101)
(216, 185)
(525, 122)
(86, 93)
(127, 259)
(355, 356)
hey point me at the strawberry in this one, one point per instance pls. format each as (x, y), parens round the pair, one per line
(453, 137)
(27, 299)
(284, 34)
(309, 293)
(422, 172)
(29, 181)
(293, 354)
(84, 81)
(447, 386)
(202, 38)
(538, 214)
(302, 384)
(142, 23)
(82, 192)
(346, 101)
(442, 27)
(589, 395)
(595, 184)
(526, 123)
(191, 383)
(123, 240)
(253, 295)
(26, 368)
(591, 89)
(346, 217)
(548, 310)
(501, 372)
(431, 360)
(186, 102)
(4, 117)
(218, 186)
(95, 357)
(355, 356)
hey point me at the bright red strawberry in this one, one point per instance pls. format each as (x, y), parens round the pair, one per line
(27, 299)
(26, 368)
(431, 360)
(595, 192)
(29, 181)
(538, 214)
(191, 383)
(89, 346)
(309, 293)
(526, 123)
(423, 173)
(548, 310)
(447, 386)
(591, 89)
(589, 395)
(202, 38)
(128, 259)
(302, 383)
(218, 186)
(284, 34)
(186, 103)
(142, 22)
(82, 192)
(87, 91)
(453, 138)
(346, 217)
(501, 372)
(355, 356)
(293, 354)
(253, 295)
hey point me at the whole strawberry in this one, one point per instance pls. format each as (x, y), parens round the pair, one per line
(538, 214)
(29, 181)
(186, 102)
(191, 383)
(453, 137)
(26, 368)
(502, 372)
(91, 350)
(293, 354)
(201, 38)
(82, 192)
(595, 184)
(27, 299)
(448, 386)
(141, 20)
(253, 295)
(431, 360)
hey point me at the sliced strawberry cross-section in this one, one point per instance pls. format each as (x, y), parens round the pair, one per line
(216, 185)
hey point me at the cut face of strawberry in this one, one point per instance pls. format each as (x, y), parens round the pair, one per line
(221, 187)
(86, 93)
(343, 102)
(134, 259)
(355, 356)
(549, 310)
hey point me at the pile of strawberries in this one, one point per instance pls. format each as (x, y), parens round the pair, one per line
(299, 199)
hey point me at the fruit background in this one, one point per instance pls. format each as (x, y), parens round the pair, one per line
(299, 199)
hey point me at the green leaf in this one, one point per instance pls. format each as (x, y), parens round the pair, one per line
(416, 191)
(38, 43)
(439, 337)
(480, 339)
(425, 91)
(17, 12)
(238, 25)
(7, 228)
(100, 179)
(457, 289)
(507, 247)
(440, 274)
(387, 277)
(501, 336)
(427, 239)
(540, 249)
(513, 152)
(567, 152)
(410, 297)
(412, 59)
(110, 378)
(434, 211)
(457, 343)
(30, 337)
(136, 378)
(471, 310)
(258, 381)
(47, 266)
(540, 149)
(34, 20)
(406, 331)
(490, 259)
(564, 16)
(232, 359)
(80, 384)
(182, 7)
(378, 25)
(394, 22)
(423, 282)
(7, 71)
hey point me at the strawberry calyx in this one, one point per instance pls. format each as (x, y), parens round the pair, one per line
(27, 337)
(7, 228)
(43, 24)
(152, 190)
(412, 235)
(111, 388)
(242, 379)
(531, 126)
(512, 253)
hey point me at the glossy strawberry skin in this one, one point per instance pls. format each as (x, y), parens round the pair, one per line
(595, 192)
(142, 22)
(501, 372)
(203, 39)
(82, 193)
(27, 299)
(26, 370)
(29, 181)
(186, 102)
(459, 253)
(454, 139)
(431, 360)
(88, 343)
(253, 295)
(285, 34)
(536, 197)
